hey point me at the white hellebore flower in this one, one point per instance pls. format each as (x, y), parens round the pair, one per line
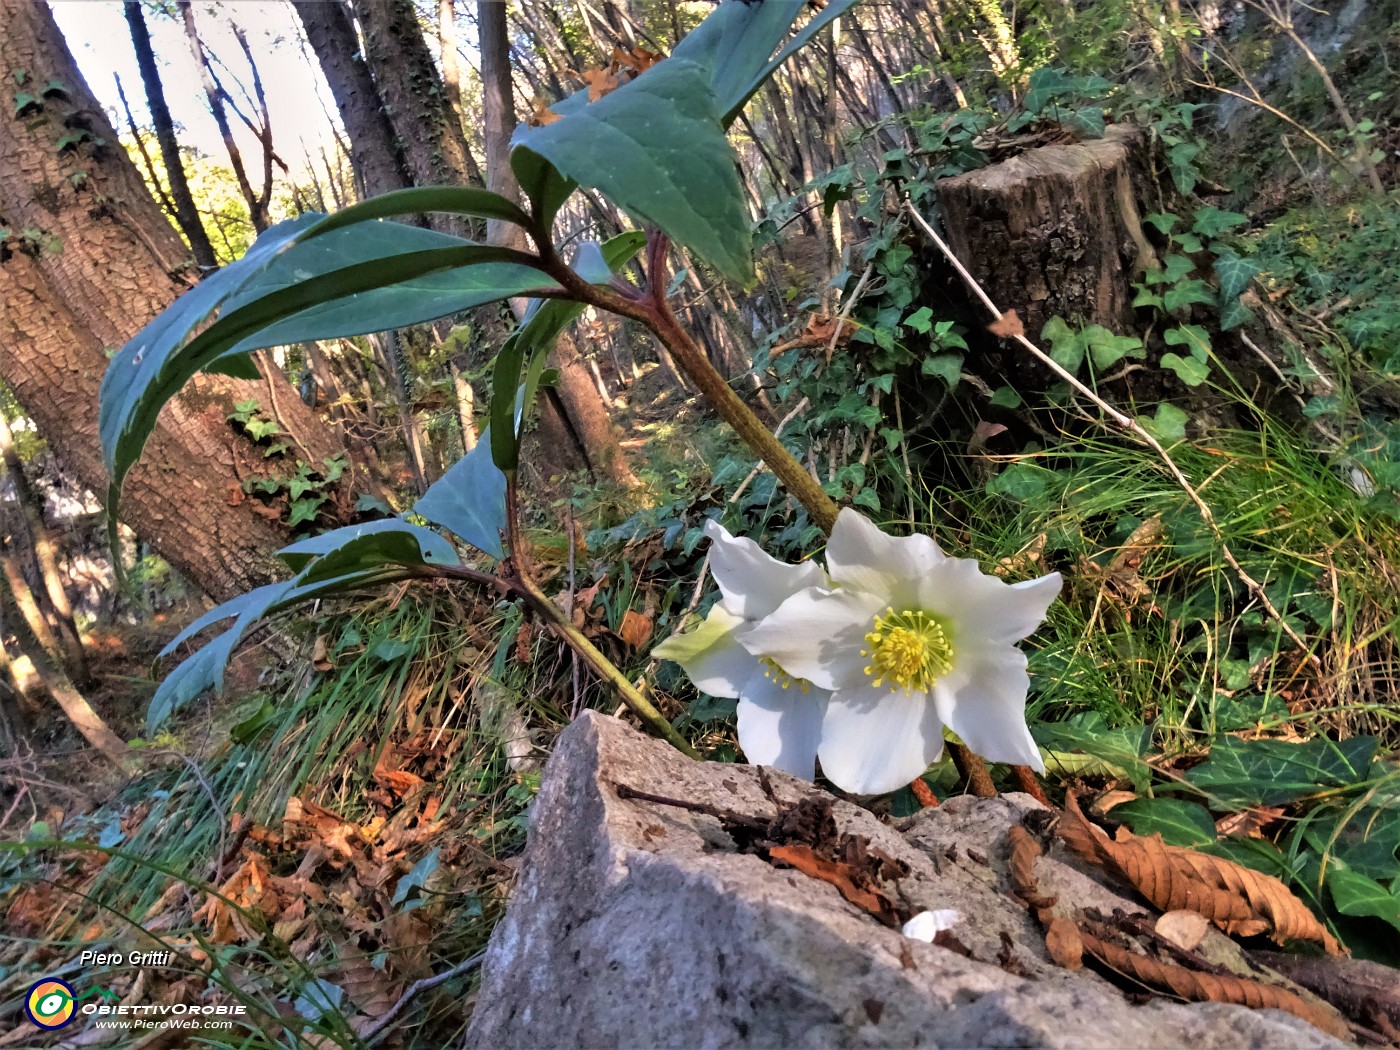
(780, 716)
(909, 640)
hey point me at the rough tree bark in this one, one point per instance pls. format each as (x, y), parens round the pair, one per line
(117, 268)
(1055, 231)
(374, 154)
(435, 150)
(186, 214)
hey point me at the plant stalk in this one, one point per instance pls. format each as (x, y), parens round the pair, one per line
(571, 636)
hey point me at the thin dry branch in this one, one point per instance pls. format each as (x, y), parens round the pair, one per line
(1129, 425)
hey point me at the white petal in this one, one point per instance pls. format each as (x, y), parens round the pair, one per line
(877, 740)
(711, 655)
(985, 611)
(929, 924)
(864, 558)
(984, 702)
(753, 582)
(781, 727)
(817, 635)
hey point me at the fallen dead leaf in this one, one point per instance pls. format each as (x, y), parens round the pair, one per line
(1248, 823)
(635, 629)
(843, 876)
(1236, 899)
(1007, 326)
(1064, 943)
(1183, 928)
(1109, 799)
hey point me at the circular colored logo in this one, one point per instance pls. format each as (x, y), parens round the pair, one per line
(50, 1003)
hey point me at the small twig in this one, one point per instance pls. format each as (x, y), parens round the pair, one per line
(727, 816)
(569, 610)
(777, 432)
(1133, 427)
(847, 305)
(423, 985)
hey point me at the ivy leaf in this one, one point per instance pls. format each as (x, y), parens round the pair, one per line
(1184, 294)
(1168, 425)
(305, 510)
(1066, 345)
(1356, 895)
(1044, 84)
(1178, 821)
(1235, 273)
(1212, 222)
(1187, 369)
(1107, 349)
(1233, 314)
(947, 367)
(920, 320)
(1270, 772)
(656, 147)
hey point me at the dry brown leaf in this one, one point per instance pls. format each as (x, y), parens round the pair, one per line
(540, 114)
(1065, 944)
(1024, 850)
(1249, 823)
(1236, 899)
(1213, 988)
(638, 60)
(600, 82)
(1183, 928)
(635, 629)
(1109, 799)
(1007, 326)
(842, 876)
(319, 658)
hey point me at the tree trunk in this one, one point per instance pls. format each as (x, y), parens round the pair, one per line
(498, 105)
(182, 201)
(435, 150)
(375, 156)
(70, 645)
(257, 202)
(1055, 232)
(74, 705)
(61, 309)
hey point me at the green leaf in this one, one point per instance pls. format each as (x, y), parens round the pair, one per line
(304, 510)
(1179, 822)
(947, 367)
(1356, 895)
(1121, 748)
(920, 320)
(470, 500)
(1269, 772)
(1191, 336)
(734, 44)
(1044, 85)
(415, 880)
(1107, 349)
(1087, 120)
(657, 149)
(1182, 295)
(1066, 345)
(360, 548)
(365, 278)
(543, 185)
(505, 381)
(1005, 397)
(348, 559)
(1212, 222)
(1168, 425)
(530, 345)
(1023, 482)
(1235, 273)
(451, 200)
(1187, 369)
(1233, 314)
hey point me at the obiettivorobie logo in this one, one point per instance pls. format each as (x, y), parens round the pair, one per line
(52, 1003)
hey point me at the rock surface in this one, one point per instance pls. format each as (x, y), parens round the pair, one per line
(636, 924)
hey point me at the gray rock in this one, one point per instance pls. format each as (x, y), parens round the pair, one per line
(636, 925)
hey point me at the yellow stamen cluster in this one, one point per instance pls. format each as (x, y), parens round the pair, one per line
(909, 649)
(787, 681)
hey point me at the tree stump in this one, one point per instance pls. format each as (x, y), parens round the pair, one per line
(1056, 230)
